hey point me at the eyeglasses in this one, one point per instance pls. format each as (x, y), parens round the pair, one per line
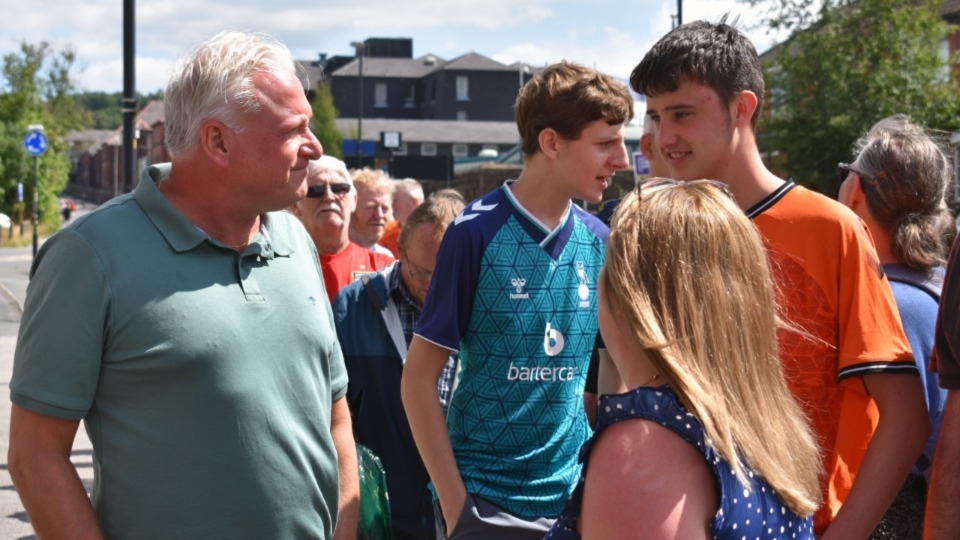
(317, 191)
(844, 170)
(417, 273)
(656, 184)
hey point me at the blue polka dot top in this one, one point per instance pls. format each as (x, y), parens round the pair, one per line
(744, 513)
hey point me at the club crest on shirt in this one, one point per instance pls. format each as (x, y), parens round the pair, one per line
(583, 290)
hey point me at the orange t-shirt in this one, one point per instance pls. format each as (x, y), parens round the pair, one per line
(391, 235)
(831, 286)
(347, 266)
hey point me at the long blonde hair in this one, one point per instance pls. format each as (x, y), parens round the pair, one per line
(689, 274)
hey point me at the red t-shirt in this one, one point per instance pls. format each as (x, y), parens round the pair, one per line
(343, 268)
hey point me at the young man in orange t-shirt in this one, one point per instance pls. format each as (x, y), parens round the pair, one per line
(853, 372)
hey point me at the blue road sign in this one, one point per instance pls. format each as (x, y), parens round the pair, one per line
(640, 164)
(35, 142)
(369, 148)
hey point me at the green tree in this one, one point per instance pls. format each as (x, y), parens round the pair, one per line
(106, 110)
(323, 126)
(855, 62)
(36, 88)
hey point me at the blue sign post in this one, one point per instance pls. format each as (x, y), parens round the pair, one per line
(35, 143)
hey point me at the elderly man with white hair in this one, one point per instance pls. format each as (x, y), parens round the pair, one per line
(186, 335)
(407, 195)
(325, 212)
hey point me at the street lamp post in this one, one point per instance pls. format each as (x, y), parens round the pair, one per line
(358, 45)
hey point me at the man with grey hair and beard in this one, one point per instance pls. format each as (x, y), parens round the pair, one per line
(190, 333)
(326, 212)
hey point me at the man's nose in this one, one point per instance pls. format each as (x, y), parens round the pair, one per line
(313, 149)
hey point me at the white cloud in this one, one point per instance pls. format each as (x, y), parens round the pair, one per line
(611, 35)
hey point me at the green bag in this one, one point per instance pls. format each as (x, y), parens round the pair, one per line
(374, 501)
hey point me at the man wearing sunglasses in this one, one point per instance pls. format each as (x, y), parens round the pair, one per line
(325, 212)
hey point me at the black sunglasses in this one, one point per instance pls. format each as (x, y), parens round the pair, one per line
(319, 190)
(844, 170)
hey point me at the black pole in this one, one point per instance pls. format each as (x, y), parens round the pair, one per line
(129, 94)
(360, 114)
(679, 12)
(36, 196)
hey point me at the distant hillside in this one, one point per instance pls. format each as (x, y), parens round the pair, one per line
(106, 110)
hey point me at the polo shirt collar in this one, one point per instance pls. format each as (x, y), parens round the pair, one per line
(183, 235)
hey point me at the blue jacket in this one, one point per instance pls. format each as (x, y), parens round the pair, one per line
(374, 366)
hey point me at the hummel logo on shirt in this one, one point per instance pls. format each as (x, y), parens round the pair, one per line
(478, 206)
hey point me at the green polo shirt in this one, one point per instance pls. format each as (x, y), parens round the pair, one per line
(204, 376)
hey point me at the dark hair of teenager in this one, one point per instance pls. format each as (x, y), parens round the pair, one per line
(717, 56)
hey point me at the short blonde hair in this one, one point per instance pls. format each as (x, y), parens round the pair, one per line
(373, 180)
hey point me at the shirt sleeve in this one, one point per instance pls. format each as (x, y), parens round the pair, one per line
(947, 341)
(872, 339)
(62, 331)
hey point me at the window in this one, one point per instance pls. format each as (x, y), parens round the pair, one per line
(400, 150)
(461, 115)
(463, 88)
(428, 149)
(460, 150)
(408, 98)
(380, 95)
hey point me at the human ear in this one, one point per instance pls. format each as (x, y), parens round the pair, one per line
(746, 103)
(857, 196)
(549, 143)
(215, 141)
(646, 146)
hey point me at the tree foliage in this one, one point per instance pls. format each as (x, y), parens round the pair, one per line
(323, 126)
(857, 62)
(106, 109)
(36, 88)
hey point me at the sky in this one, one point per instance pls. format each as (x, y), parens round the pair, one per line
(606, 35)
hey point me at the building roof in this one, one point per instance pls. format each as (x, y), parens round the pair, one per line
(403, 68)
(314, 73)
(93, 140)
(475, 62)
(150, 115)
(83, 140)
(950, 10)
(415, 68)
(435, 131)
